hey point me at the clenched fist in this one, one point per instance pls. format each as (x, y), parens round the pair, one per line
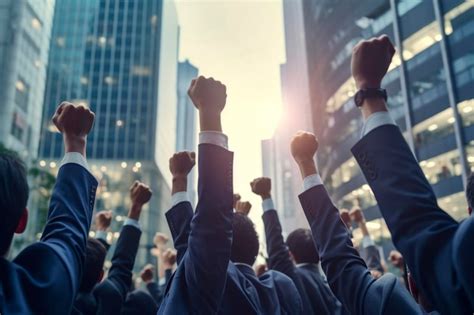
(345, 217)
(169, 258)
(236, 199)
(207, 94)
(243, 207)
(182, 163)
(370, 61)
(303, 147)
(262, 186)
(75, 124)
(147, 273)
(160, 240)
(357, 215)
(103, 219)
(140, 194)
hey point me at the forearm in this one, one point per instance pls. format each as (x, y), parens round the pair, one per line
(210, 121)
(363, 228)
(179, 184)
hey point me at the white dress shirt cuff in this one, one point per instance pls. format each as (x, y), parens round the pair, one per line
(101, 235)
(132, 222)
(213, 137)
(76, 158)
(376, 120)
(268, 205)
(312, 181)
(367, 241)
(178, 197)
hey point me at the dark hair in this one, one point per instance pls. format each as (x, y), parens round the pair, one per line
(13, 196)
(301, 245)
(470, 190)
(245, 240)
(95, 257)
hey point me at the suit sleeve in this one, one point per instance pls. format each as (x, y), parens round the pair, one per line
(409, 207)
(114, 289)
(179, 221)
(210, 238)
(69, 220)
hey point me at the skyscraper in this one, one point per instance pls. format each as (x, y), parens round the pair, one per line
(276, 158)
(429, 85)
(186, 118)
(120, 59)
(25, 29)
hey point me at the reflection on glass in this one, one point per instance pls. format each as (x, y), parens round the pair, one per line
(466, 110)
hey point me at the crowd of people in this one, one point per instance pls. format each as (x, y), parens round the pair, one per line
(212, 268)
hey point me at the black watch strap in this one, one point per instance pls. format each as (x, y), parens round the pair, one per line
(363, 94)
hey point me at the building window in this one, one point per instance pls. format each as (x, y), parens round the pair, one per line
(442, 167)
(434, 128)
(22, 94)
(18, 126)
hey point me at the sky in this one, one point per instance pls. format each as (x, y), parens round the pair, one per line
(240, 43)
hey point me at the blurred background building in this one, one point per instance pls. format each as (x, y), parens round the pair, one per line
(186, 125)
(25, 29)
(120, 58)
(277, 162)
(430, 86)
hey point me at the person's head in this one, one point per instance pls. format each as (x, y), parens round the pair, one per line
(94, 266)
(470, 193)
(13, 199)
(245, 240)
(302, 248)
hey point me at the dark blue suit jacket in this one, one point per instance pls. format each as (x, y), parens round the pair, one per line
(437, 249)
(347, 274)
(45, 276)
(109, 296)
(316, 296)
(239, 290)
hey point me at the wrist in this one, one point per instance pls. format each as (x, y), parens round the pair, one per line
(307, 168)
(75, 144)
(366, 84)
(135, 211)
(373, 105)
(210, 121)
(179, 184)
(266, 196)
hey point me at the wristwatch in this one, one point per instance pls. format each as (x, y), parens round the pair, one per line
(362, 94)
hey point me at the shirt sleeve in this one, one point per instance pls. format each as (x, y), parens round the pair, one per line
(214, 137)
(178, 197)
(376, 120)
(268, 205)
(132, 222)
(76, 158)
(101, 235)
(312, 181)
(367, 241)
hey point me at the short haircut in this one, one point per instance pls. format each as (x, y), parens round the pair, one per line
(94, 265)
(470, 190)
(245, 240)
(301, 245)
(13, 196)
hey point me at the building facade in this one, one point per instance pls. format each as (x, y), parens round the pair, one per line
(25, 30)
(120, 59)
(430, 86)
(277, 162)
(186, 124)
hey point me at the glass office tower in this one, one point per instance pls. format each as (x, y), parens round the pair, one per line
(25, 30)
(430, 86)
(118, 57)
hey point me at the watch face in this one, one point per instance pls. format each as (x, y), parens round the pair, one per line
(358, 99)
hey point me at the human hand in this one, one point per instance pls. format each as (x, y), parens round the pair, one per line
(103, 219)
(262, 186)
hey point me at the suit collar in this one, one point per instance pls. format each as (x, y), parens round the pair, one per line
(245, 269)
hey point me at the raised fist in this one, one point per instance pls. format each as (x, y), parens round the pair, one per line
(357, 215)
(169, 258)
(207, 94)
(237, 198)
(243, 207)
(370, 61)
(160, 239)
(147, 273)
(262, 186)
(304, 146)
(140, 193)
(103, 219)
(182, 163)
(345, 217)
(260, 269)
(396, 259)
